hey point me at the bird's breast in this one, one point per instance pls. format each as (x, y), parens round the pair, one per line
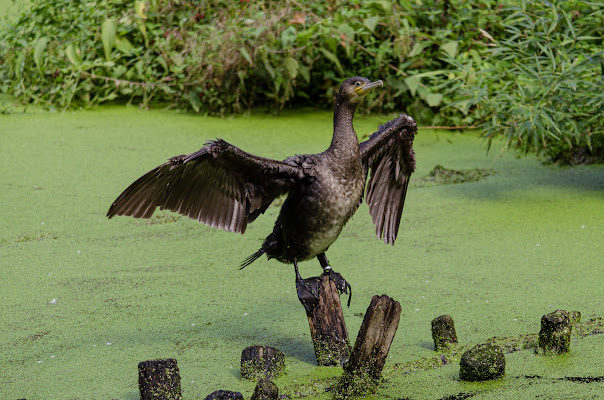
(337, 197)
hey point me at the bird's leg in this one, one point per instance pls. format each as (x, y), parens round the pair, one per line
(341, 284)
(308, 290)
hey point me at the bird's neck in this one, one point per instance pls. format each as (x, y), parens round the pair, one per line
(344, 142)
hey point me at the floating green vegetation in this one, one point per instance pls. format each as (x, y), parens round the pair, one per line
(27, 237)
(445, 176)
(158, 218)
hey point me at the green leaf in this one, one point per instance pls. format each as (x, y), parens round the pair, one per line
(346, 30)
(412, 83)
(39, 50)
(386, 5)
(72, 55)
(162, 61)
(291, 65)
(194, 100)
(143, 29)
(258, 31)
(246, 55)
(139, 8)
(124, 46)
(108, 33)
(304, 72)
(434, 99)
(371, 23)
(450, 48)
(554, 19)
(19, 65)
(269, 68)
(332, 57)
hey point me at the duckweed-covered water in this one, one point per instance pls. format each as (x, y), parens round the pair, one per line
(85, 299)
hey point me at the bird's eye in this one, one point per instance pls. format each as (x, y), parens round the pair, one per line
(357, 83)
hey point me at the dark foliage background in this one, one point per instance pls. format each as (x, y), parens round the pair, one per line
(530, 71)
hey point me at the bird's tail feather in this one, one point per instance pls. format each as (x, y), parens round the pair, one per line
(252, 258)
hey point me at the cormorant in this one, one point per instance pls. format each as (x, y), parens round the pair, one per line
(227, 188)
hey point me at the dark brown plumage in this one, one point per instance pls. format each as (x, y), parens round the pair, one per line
(227, 188)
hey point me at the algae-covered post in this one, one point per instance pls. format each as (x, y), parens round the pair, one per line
(554, 336)
(259, 362)
(159, 379)
(482, 362)
(363, 372)
(443, 331)
(265, 390)
(224, 395)
(321, 300)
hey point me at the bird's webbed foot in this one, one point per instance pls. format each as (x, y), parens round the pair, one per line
(341, 284)
(308, 290)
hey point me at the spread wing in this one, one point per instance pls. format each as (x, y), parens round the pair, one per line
(389, 154)
(219, 185)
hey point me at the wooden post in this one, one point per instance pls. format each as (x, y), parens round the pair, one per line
(265, 390)
(224, 395)
(325, 319)
(259, 362)
(554, 336)
(443, 331)
(159, 379)
(363, 372)
(482, 362)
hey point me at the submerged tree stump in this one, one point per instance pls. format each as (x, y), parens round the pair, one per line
(259, 362)
(554, 336)
(321, 300)
(159, 379)
(482, 362)
(224, 395)
(265, 390)
(363, 372)
(443, 331)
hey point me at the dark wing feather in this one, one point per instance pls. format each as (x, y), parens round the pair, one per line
(219, 185)
(389, 154)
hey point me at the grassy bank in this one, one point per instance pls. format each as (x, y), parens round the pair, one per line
(495, 254)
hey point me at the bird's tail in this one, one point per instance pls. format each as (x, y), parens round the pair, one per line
(252, 258)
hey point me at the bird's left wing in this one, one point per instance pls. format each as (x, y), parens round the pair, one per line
(219, 185)
(389, 154)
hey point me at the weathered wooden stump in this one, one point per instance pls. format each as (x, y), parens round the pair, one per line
(363, 372)
(554, 336)
(443, 331)
(224, 395)
(265, 390)
(321, 300)
(259, 362)
(159, 379)
(482, 363)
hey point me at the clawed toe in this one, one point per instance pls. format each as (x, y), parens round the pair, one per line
(340, 282)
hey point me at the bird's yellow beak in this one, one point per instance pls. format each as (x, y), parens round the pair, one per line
(367, 87)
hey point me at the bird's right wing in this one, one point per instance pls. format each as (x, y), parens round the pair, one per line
(389, 154)
(219, 185)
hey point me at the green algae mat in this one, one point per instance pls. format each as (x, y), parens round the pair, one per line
(85, 299)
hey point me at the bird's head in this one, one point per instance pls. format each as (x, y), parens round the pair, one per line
(353, 90)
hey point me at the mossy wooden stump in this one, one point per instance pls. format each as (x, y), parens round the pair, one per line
(259, 362)
(159, 379)
(326, 321)
(363, 372)
(483, 362)
(265, 390)
(554, 336)
(443, 331)
(224, 395)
